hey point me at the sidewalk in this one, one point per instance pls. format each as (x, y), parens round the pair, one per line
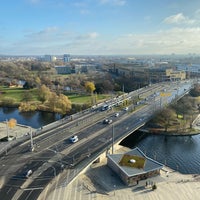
(101, 183)
(17, 133)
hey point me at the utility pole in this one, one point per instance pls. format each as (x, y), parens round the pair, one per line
(7, 129)
(113, 139)
(32, 147)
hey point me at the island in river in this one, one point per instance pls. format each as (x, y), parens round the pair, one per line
(180, 118)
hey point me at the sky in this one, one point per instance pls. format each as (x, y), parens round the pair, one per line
(99, 27)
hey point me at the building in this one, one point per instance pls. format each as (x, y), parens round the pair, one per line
(63, 69)
(133, 166)
(176, 75)
(66, 58)
(192, 70)
(160, 73)
(49, 58)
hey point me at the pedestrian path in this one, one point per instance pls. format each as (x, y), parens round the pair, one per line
(101, 183)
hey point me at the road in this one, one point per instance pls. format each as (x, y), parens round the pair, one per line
(54, 154)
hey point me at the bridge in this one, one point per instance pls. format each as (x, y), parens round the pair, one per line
(51, 156)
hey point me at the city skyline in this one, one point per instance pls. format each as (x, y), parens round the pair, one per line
(99, 27)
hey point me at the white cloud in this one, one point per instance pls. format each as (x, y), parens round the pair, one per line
(113, 2)
(43, 35)
(88, 36)
(84, 12)
(53, 40)
(93, 35)
(177, 40)
(34, 1)
(178, 19)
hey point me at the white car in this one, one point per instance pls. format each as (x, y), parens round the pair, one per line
(74, 139)
(29, 172)
(116, 114)
(126, 108)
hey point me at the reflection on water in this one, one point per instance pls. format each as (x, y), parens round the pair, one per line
(181, 153)
(33, 119)
(7, 111)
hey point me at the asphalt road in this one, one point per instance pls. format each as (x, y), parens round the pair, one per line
(54, 153)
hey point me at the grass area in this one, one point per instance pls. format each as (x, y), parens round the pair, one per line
(17, 95)
(79, 99)
(132, 161)
(84, 99)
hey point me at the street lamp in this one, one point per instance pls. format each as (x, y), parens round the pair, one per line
(113, 138)
(31, 134)
(59, 158)
(54, 171)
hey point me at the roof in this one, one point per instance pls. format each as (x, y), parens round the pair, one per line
(150, 164)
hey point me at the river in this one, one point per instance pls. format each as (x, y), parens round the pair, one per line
(33, 119)
(180, 153)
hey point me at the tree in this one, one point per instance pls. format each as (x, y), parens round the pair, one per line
(195, 92)
(44, 93)
(104, 86)
(64, 104)
(12, 123)
(167, 115)
(27, 106)
(38, 81)
(51, 101)
(89, 86)
(59, 104)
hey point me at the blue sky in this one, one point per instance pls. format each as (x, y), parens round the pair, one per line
(99, 27)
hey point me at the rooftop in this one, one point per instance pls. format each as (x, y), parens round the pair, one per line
(146, 164)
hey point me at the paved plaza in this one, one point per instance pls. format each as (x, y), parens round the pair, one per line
(101, 183)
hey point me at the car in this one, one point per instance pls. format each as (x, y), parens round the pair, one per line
(74, 139)
(107, 121)
(116, 114)
(29, 172)
(126, 108)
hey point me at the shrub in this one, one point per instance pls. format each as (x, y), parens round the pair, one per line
(154, 186)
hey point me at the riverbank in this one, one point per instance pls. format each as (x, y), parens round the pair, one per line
(101, 183)
(190, 129)
(169, 133)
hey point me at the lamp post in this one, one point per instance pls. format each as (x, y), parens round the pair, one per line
(113, 139)
(54, 171)
(31, 134)
(7, 130)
